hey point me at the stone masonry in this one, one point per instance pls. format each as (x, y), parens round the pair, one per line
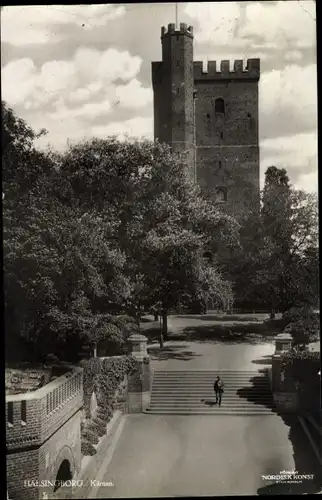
(212, 114)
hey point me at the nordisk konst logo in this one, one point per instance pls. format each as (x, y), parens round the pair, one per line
(288, 477)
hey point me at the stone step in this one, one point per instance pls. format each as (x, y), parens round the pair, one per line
(199, 400)
(210, 374)
(211, 402)
(212, 411)
(207, 390)
(214, 371)
(157, 385)
(208, 377)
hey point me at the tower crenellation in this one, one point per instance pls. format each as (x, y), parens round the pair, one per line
(172, 29)
(240, 71)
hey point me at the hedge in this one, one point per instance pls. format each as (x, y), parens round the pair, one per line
(303, 367)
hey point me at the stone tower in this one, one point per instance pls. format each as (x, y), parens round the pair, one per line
(173, 86)
(212, 113)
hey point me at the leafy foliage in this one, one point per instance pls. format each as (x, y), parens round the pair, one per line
(87, 448)
(276, 265)
(303, 367)
(304, 330)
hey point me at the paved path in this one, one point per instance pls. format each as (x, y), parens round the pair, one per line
(252, 354)
(195, 455)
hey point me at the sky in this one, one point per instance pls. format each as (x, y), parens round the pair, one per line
(82, 71)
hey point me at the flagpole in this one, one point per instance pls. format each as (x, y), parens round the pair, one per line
(176, 15)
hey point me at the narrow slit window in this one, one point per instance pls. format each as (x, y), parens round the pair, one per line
(23, 411)
(221, 135)
(10, 413)
(219, 164)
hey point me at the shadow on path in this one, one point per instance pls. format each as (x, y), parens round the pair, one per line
(232, 334)
(223, 319)
(264, 360)
(172, 352)
(208, 402)
(306, 462)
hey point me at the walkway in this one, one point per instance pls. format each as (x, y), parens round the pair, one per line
(194, 456)
(228, 352)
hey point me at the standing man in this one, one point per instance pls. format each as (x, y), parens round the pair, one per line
(219, 389)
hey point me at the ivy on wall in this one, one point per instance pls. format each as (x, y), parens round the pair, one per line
(104, 376)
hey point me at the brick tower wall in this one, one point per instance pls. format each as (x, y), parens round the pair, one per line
(228, 143)
(173, 85)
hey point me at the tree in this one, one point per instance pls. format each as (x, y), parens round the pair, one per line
(276, 264)
(58, 263)
(160, 220)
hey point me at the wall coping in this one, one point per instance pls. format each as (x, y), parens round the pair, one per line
(43, 391)
(283, 336)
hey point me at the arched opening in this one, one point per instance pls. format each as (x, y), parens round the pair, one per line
(220, 106)
(64, 474)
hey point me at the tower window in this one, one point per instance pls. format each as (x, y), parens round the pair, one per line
(221, 135)
(221, 194)
(219, 164)
(220, 106)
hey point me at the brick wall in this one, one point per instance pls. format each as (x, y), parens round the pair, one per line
(227, 144)
(48, 433)
(22, 466)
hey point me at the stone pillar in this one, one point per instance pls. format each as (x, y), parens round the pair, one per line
(139, 382)
(283, 343)
(285, 398)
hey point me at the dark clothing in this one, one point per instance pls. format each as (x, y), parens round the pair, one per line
(219, 389)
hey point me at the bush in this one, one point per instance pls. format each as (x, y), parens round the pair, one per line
(97, 428)
(303, 368)
(87, 448)
(297, 313)
(304, 330)
(98, 421)
(91, 436)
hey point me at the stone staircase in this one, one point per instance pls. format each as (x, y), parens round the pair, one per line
(191, 393)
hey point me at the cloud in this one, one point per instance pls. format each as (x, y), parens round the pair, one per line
(288, 101)
(297, 154)
(88, 111)
(89, 72)
(217, 22)
(134, 127)
(255, 24)
(85, 93)
(308, 182)
(133, 95)
(29, 25)
(281, 23)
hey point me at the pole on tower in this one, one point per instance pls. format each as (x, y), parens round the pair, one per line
(176, 15)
